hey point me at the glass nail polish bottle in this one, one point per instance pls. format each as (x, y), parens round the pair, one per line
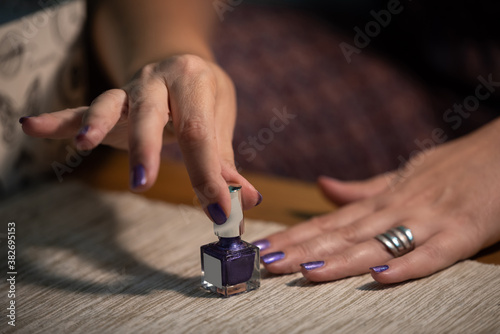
(230, 266)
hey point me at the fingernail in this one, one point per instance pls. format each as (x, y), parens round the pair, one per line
(273, 257)
(262, 244)
(82, 132)
(379, 269)
(22, 119)
(260, 198)
(138, 176)
(312, 265)
(218, 215)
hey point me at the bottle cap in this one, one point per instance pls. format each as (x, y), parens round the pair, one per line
(234, 226)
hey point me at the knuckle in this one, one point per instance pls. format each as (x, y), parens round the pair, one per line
(321, 247)
(152, 111)
(145, 72)
(192, 71)
(304, 250)
(227, 162)
(192, 131)
(344, 260)
(433, 251)
(189, 64)
(137, 92)
(349, 233)
(143, 83)
(321, 224)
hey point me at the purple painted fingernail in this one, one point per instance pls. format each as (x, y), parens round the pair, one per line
(273, 257)
(379, 269)
(262, 244)
(260, 198)
(312, 265)
(82, 132)
(138, 176)
(22, 119)
(217, 214)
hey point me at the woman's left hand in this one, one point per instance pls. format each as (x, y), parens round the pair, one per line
(449, 197)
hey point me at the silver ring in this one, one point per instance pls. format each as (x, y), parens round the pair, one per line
(398, 240)
(395, 241)
(401, 236)
(408, 234)
(387, 242)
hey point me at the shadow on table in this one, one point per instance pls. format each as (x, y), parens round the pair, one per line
(486, 255)
(370, 286)
(376, 286)
(71, 218)
(302, 282)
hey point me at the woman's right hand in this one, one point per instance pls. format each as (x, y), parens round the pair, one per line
(193, 93)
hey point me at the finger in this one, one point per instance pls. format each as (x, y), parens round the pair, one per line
(317, 226)
(148, 115)
(192, 97)
(435, 254)
(353, 261)
(359, 258)
(57, 125)
(326, 243)
(341, 192)
(100, 118)
(250, 197)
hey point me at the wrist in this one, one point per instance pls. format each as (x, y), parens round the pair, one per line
(127, 39)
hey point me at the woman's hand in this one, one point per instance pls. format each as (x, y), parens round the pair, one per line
(449, 197)
(196, 95)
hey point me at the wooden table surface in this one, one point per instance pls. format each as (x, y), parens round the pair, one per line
(286, 201)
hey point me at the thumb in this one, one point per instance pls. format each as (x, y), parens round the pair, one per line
(343, 192)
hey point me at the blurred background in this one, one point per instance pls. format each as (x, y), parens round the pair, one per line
(358, 118)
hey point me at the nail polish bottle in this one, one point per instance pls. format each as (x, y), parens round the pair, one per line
(230, 266)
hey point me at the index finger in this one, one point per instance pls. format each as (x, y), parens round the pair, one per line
(192, 99)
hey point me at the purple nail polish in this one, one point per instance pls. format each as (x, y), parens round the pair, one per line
(260, 198)
(82, 132)
(262, 244)
(217, 214)
(379, 269)
(273, 257)
(22, 119)
(138, 176)
(230, 266)
(312, 265)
